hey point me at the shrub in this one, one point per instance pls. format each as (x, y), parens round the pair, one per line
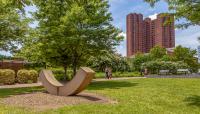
(23, 76)
(27, 76)
(33, 75)
(126, 74)
(154, 66)
(7, 76)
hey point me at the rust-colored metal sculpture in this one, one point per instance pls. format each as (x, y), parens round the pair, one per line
(81, 80)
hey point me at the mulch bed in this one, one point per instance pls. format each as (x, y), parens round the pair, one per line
(44, 101)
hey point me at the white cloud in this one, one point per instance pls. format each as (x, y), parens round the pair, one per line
(154, 16)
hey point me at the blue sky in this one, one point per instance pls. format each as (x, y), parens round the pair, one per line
(120, 8)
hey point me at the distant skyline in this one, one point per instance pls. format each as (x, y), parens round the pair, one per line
(120, 8)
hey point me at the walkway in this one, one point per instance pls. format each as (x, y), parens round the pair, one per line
(21, 85)
(40, 84)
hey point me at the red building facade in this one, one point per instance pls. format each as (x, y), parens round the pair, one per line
(142, 35)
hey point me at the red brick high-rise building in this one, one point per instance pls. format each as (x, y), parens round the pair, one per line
(142, 35)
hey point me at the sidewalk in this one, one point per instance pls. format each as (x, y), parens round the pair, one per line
(40, 84)
(21, 85)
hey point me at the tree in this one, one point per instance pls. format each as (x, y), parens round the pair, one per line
(188, 9)
(13, 24)
(140, 59)
(186, 55)
(69, 32)
(109, 59)
(157, 52)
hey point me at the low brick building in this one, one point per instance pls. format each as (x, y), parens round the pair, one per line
(12, 64)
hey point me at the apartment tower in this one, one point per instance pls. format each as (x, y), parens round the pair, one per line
(142, 35)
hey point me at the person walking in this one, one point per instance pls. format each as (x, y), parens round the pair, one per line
(110, 73)
(107, 72)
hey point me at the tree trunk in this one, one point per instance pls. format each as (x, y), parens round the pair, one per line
(74, 69)
(65, 74)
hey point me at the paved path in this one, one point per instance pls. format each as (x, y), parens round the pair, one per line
(40, 84)
(21, 85)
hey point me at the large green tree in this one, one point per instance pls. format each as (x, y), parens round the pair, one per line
(13, 24)
(188, 9)
(186, 55)
(69, 32)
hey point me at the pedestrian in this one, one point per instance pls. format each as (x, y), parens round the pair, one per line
(110, 73)
(107, 72)
(141, 71)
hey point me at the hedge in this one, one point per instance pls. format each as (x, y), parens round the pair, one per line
(27, 76)
(7, 76)
(154, 66)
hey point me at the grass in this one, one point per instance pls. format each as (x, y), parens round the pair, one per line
(119, 74)
(138, 96)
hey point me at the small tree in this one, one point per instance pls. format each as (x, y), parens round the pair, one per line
(139, 59)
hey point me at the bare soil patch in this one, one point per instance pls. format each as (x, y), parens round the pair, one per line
(44, 101)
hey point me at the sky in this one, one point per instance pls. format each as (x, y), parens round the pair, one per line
(119, 10)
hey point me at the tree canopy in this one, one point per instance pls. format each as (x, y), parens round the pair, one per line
(13, 24)
(69, 32)
(187, 9)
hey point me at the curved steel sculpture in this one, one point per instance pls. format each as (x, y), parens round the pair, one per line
(81, 80)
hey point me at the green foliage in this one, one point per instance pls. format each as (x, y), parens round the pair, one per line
(157, 52)
(188, 9)
(13, 24)
(186, 55)
(154, 66)
(33, 76)
(60, 74)
(139, 59)
(7, 76)
(74, 30)
(27, 76)
(108, 59)
(22, 76)
(118, 74)
(2, 57)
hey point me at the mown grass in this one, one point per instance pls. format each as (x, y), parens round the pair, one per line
(138, 96)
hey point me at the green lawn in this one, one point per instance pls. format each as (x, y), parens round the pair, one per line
(143, 96)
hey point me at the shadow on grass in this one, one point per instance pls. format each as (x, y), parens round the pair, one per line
(17, 91)
(110, 85)
(193, 100)
(88, 97)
